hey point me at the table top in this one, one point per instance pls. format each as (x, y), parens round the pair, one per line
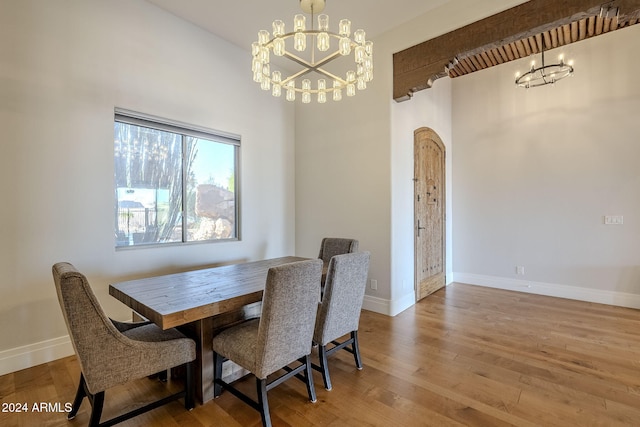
(176, 299)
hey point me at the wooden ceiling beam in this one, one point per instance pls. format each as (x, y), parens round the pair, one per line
(417, 67)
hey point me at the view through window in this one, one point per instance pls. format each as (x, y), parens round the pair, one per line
(173, 183)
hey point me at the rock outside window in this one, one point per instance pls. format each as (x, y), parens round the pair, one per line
(174, 183)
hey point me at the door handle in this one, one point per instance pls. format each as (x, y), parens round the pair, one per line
(420, 228)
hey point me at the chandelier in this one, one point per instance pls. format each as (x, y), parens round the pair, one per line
(545, 74)
(293, 44)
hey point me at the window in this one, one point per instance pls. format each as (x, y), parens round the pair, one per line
(174, 183)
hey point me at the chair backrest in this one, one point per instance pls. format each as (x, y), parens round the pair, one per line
(289, 307)
(332, 246)
(344, 288)
(95, 339)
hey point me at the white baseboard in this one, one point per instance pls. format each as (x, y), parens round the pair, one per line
(388, 307)
(399, 305)
(621, 299)
(375, 304)
(27, 356)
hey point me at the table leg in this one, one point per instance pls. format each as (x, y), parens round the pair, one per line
(201, 331)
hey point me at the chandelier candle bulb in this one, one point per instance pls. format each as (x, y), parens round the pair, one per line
(256, 64)
(299, 23)
(265, 84)
(306, 88)
(300, 42)
(278, 47)
(337, 91)
(263, 37)
(322, 94)
(291, 93)
(345, 46)
(278, 28)
(360, 53)
(313, 60)
(324, 42)
(264, 55)
(276, 78)
(345, 28)
(257, 75)
(323, 22)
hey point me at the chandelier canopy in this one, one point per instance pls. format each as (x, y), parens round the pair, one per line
(283, 44)
(545, 74)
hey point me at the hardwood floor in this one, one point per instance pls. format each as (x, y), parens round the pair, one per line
(464, 356)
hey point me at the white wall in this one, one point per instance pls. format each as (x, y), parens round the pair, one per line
(342, 177)
(535, 172)
(65, 66)
(354, 159)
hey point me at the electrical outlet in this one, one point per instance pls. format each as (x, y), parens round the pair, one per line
(520, 270)
(374, 284)
(614, 219)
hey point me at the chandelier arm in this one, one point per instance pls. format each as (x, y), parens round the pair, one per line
(326, 59)
(295, 76)
(332, 76)
(297, 59)
(309, 66)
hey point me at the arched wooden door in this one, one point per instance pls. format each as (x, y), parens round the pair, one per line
(429, 212)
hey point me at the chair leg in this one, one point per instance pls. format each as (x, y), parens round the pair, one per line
(324, 366)
(96, 409)
(80, 395)
(189, 402)
(311, 390)
(263, 403)
(356, 350)
(217, 373)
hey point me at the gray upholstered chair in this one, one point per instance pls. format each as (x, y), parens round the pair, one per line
(111, 353)
(332, 246)
(280, 337)
(339, 311)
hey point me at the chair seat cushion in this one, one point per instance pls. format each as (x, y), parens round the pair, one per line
(238, 343)
(152, 333)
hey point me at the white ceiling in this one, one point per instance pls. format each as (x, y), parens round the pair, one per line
(239, 21)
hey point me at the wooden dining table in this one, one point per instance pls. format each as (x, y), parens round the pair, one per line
(200, 302)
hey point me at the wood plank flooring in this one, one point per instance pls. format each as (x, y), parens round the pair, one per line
(465, 356)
